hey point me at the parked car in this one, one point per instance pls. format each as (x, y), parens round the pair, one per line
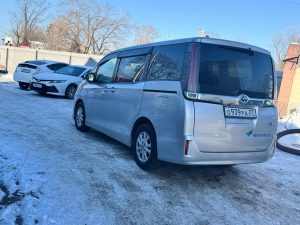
(63, 82)
(26, 70)
(3, 69)
(196, 101)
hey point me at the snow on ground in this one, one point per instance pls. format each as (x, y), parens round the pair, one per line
(6, 77)
(50, 173)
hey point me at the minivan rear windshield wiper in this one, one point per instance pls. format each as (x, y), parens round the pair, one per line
(250, 93)
(248, 51)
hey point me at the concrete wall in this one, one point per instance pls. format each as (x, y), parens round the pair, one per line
(10, 57)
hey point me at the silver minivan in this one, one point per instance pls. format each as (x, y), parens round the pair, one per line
(196, 101)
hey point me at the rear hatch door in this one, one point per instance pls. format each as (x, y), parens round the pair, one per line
(214, 131)
(233, 107)
(26, 68)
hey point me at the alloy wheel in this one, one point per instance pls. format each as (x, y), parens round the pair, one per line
(71, 91)
(143, 146)
(79, 116)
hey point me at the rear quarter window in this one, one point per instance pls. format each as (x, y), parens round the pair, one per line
(166, 62)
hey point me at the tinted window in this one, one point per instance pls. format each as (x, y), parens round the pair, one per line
(57, 66)
(71, 71)
(105, 71)
(130, 69)
(51, 67)
(27, 66)
(234, 71)
(35, 62)
(166, 62)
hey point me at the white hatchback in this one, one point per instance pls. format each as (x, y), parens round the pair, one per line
(63, 82)
(26, 70)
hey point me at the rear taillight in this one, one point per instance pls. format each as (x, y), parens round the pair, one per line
(186, 147)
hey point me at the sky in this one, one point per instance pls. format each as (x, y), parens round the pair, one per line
(253, 21)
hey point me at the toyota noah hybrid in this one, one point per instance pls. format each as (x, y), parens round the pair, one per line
(197, 101)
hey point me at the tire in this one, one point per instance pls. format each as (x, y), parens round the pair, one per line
(70, 91)
(284, 148)
(144, 146)
(79, 117)
(23, 85)
(225, 166)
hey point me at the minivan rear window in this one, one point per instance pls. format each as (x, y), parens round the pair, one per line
(232, 71)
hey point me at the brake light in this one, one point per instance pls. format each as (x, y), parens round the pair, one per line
(186, 147)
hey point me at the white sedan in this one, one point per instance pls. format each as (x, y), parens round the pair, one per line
(26, 70)
(63, 82)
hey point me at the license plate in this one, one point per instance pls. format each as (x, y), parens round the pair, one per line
(37, 85)
(234, 112)
(25, 70)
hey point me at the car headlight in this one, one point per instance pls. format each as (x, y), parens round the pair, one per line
(57, 81)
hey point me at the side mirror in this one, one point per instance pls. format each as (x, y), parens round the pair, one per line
(91, 77)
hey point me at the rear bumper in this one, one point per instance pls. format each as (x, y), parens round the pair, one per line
(22, 77)
(195, 157)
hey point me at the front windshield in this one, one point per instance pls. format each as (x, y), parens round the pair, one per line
(234, 71)
(71, 71)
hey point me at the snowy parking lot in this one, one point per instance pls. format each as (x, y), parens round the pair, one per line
(50, 173)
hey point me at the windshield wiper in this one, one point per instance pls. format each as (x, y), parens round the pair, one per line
(248, 51)
(250, 94)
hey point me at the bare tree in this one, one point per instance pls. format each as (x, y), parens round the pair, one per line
(91, 31)
(27, 17)
(17, 31)
(144, 34)
(280, 43)
(56, 40)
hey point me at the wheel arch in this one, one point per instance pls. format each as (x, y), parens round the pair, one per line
(75, 105)
(70, 84)
(137, 123)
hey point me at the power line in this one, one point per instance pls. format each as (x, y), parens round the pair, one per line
(4, 31)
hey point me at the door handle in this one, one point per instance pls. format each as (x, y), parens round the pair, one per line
(102, 91)
(105, 90)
